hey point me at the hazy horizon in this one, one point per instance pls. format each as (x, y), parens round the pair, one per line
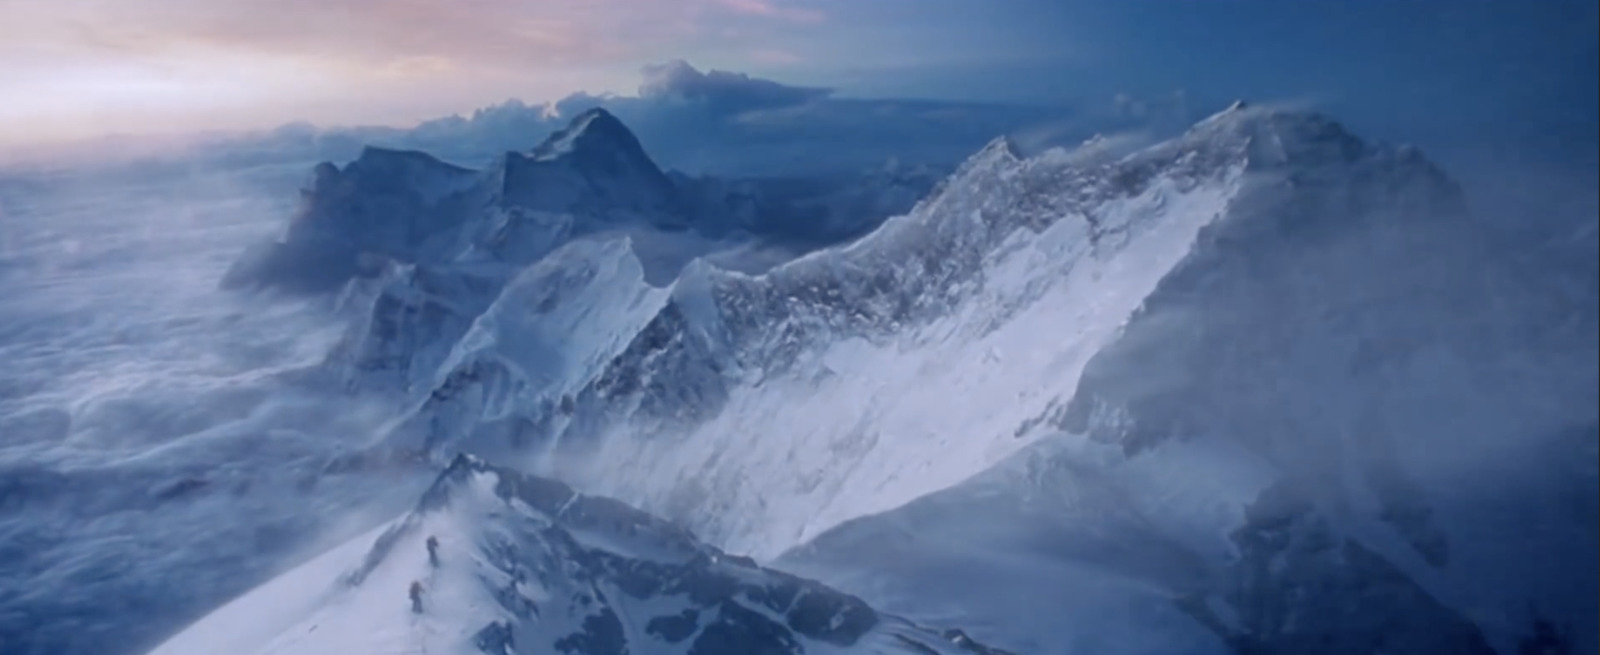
(1428, 72)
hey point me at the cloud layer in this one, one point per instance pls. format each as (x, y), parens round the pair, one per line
(722, 91)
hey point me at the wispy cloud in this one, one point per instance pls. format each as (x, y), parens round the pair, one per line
(499, 32)
(295, 53)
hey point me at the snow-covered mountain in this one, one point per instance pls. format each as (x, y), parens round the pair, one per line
(1263, 368)
(843, 360)
(1262, 388)
(499, 563)
(591, 176)
(431, 245)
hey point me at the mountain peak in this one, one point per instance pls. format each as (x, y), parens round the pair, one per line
(595, 128)
(595, 162)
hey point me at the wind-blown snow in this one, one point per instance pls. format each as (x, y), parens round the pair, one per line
(502, 564)
(1262, 388)
(1232, 284)
(1393, 401)
(148, 418)
(842, 364)
(863, 425)
(159, 451)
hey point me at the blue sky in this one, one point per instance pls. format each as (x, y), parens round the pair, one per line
(1405, 68)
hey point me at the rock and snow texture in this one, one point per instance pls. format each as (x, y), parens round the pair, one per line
(1343, 424)
(592, 176)
(413, 209)
(432, 246)
(1310, 316)
(842, 365)
(1259, 389)
(496, 563)
(386, 205)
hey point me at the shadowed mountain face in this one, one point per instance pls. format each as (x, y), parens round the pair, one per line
(592, 176)
(594, 165)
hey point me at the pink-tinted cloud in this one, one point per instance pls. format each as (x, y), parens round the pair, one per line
(498, 32)
(769, 9)
(66, 63)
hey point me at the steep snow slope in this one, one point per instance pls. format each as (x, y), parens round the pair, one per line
(1262, 388)
(842, 365)
(1342, 347)
(434, 245)
(498, 563)
(1352, 424)
(555, 325)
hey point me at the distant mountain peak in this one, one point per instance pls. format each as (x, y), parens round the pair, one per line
(387, 161)
(595, 161)
(593, 129)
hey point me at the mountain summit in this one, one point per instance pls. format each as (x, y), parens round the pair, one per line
(593, 166)
(592, 132)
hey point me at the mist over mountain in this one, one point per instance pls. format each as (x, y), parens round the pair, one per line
(734, 366)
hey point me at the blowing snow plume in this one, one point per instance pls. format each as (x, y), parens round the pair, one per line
(1251, 295)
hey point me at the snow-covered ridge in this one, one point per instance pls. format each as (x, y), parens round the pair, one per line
(839, 359)
(412, 208)
(763, 410)
(1267, 298)
(431, 245)
(499, 563)
(1343, 422)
